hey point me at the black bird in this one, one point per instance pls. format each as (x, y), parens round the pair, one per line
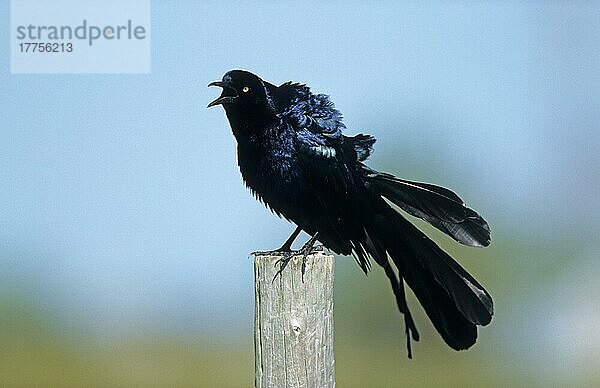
(294, 157)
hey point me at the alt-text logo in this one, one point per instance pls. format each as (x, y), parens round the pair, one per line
(84, 31)
(80, 36)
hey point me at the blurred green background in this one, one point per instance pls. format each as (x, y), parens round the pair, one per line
(125, 228)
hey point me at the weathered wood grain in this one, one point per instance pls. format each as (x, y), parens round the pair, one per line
(293, 330)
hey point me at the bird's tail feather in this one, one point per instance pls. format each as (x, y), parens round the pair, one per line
(454, 301)
(437, 205)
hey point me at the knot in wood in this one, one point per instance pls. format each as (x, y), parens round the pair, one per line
(296, 327)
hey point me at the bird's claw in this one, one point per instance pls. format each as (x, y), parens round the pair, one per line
(282, 263)
(303, 252)
(275, 252)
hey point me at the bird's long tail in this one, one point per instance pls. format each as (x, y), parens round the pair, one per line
(454, 301)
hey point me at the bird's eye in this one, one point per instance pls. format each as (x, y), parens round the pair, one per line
(245, 89)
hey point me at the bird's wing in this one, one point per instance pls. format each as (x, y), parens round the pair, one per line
(316, 113)
(317, 126)
(333, 180)
(328, 160)
(304, 110)
(328, 163)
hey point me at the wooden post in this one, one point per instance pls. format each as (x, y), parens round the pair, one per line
(293, 327)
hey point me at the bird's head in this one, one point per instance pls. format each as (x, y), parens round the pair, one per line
(243, 92)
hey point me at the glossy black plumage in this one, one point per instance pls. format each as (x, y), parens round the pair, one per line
(294, 157)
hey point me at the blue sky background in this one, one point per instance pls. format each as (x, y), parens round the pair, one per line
(121, 204)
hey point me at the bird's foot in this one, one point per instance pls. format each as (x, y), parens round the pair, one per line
(275, 252)
(279, 251)
(285, 249)
(283, 262)
(306, 250)
(287, 253)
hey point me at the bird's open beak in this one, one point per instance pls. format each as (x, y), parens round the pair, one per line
(228, 95)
